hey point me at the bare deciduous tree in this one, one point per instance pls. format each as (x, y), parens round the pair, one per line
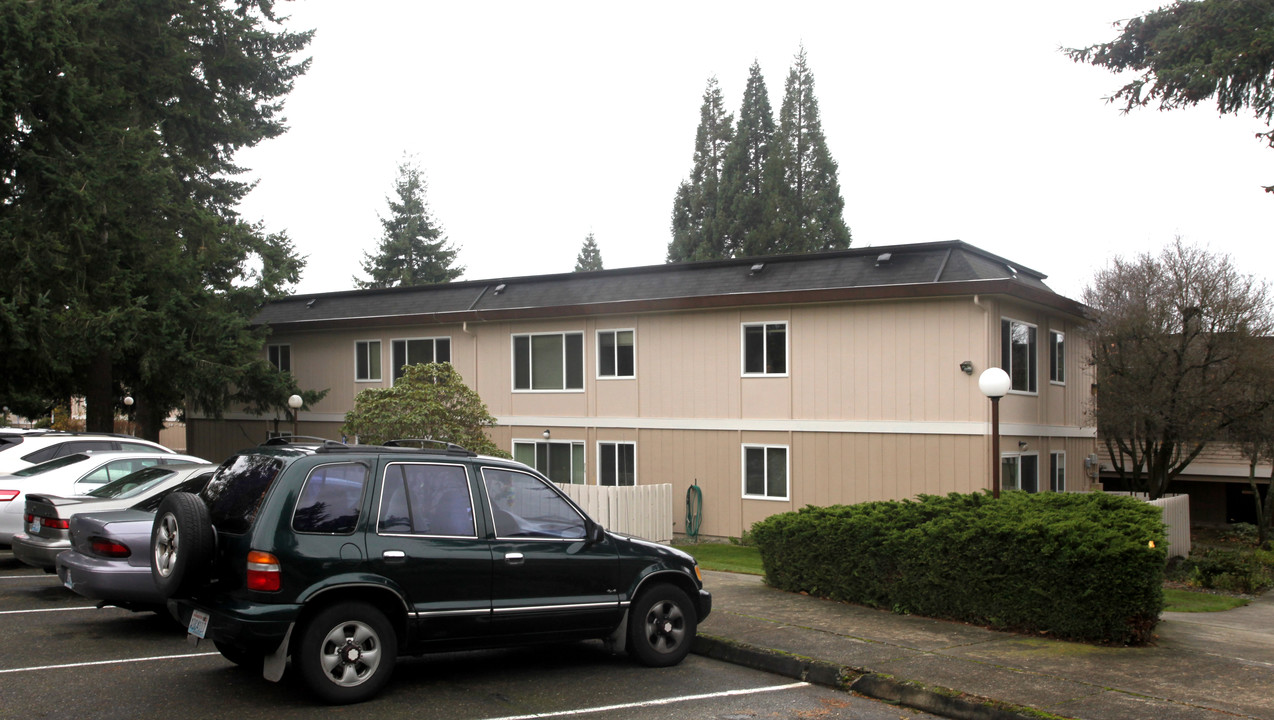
(1176, 340)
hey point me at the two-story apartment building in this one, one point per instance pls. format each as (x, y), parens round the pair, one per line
(771, 383)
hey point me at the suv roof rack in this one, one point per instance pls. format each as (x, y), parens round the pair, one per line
(436, 445)
(301, 440)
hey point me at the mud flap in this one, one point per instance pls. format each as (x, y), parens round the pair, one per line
(277, 661)
(617, 641)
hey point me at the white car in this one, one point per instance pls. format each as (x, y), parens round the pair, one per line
(76, 474)
(20, 450)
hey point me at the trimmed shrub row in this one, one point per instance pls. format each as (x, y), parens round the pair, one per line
(1076, 566)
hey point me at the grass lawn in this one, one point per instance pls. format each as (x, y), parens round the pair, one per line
(1190, 601)
(726, 558)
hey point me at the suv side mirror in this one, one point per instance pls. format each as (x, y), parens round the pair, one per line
(594, 533)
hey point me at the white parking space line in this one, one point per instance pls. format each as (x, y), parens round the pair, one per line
(107, 662)
(655, 703)
(20, 612)
(46, 576)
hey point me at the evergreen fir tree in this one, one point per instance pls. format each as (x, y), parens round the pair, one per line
(413, 250)
(804, 208)
(697, 232)
(590, 258)
(742, 188)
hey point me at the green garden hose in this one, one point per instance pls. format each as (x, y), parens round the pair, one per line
(694, 510)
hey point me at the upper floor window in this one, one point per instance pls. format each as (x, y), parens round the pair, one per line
(1017, 354)
(765, 348)
(1057, 357)
(367, 360)
(548, 361)
(280, 357)
(765, 472)
(615, 357)
(418, 351)
(616, 463)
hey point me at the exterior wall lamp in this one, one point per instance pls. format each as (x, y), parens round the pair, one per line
(967, 367)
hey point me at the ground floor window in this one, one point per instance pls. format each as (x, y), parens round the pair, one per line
(561, 462)
(1020, 472)
(616, 463)
(765, 472)
(1057, 472)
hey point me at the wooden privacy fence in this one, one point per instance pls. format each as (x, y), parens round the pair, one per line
(1176, 518)
(1176, 515)
(643, 511)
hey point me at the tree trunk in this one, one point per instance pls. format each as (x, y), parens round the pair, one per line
(1262, 517)
(99, 395)
(149, 420)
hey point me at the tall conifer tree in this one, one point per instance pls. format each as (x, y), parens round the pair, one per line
(742, 187)
(590, 257)
(804, 207)
(413, 250)
(125, 265)
(697, 232)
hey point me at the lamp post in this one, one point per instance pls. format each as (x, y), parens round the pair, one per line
(995, 383)
(295, 402)
(128, 412)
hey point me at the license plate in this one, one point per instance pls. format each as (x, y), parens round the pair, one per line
(198, 624)
(35, 526)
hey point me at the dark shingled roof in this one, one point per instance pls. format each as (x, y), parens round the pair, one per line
(890, 272)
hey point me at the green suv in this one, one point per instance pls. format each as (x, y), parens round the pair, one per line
(339, 558)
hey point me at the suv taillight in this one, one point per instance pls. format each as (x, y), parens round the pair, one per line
(108, 548)
(263, 571)
(7, 495)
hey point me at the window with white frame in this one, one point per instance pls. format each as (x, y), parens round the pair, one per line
(561, 462)
(548, 361)
(1057, 357)
(765, 472)
(1020, 472)
(765, 348)
(1017, 354)
(616, 463)
(367, 360)
(418, 351)
(615, 356)
(280, 357)
(1057, 471)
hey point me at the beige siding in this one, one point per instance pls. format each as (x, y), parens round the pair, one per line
(874, 404)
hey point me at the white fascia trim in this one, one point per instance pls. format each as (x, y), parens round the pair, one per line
(783, 425)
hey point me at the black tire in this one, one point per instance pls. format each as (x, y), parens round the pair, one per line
(243, 658)
(346, 653)
(661, 626)
(181, 545)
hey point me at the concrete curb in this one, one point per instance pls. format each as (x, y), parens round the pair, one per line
(937, 701)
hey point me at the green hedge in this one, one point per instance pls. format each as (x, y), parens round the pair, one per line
(1076, 566)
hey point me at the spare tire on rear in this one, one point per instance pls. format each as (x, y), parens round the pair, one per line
(181, 545)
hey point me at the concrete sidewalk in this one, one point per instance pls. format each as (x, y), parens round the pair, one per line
(1202, 666)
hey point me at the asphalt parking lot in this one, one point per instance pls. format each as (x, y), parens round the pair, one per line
(62, 657)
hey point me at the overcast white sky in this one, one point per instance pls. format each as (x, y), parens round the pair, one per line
(536, 123)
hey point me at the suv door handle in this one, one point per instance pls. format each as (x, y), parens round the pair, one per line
(513, 558)
(394, 555)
